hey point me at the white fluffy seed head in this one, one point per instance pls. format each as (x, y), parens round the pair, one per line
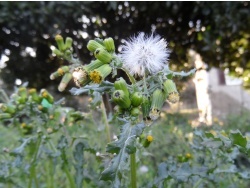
(144, 54)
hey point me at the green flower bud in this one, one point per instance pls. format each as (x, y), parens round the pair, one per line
(148, 141)
(80, 76)
(34, 95)
(42, 109)
(57, 52)
(21, 106)
(8, 108)
(120, 98)
(61, 71)
(121, 84)
(68, 53)
(171, 91)
(158, 100)
(22, 92)
(68, 43)
(46, 95)
(102, 55)
(64, 82)
(135, 112)
(93, 65)
(136, 99)
(99, 74)
(93, 45)
(145, 106)
(5, 116)
(109, 44)
(60, 42)
(21, 100)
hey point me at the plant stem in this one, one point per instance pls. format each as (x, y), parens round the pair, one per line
(105, 119)
(66, 168)
(133, 170)
(50, 173)
(33, 163)
(70, 178)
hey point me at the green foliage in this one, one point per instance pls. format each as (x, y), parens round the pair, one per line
(122, 148)
(38, 150)
(209, 158)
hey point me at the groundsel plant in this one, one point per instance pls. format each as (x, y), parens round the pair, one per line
(137, 99)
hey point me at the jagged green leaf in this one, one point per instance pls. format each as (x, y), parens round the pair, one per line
(180, 172)
(163, 173)
(238, 139)
(123, 147)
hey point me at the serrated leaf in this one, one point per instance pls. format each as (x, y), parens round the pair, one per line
(163, 174)
(238, 139)
(171, 170)
(183, 172)
(19, 150)
(123, 147)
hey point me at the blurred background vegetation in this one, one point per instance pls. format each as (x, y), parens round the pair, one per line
(219, 31)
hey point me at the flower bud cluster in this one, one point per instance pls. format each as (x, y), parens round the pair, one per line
(22, 98)
(64, 50)
(94, 72)
(126, 101)
(159, 96)
(64, 47)
(103, 51)
(99, 68)
(24, 103)
(135, 101)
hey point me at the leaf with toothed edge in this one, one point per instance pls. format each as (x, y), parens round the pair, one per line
(123, 147)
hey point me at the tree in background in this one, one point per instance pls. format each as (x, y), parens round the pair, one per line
(219, 31)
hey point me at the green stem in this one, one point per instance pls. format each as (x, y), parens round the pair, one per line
(66, 168)
(105, 119)
(70, 178)
(145, 85)
(10, 174)
(50, 174)
(33, 163)
(133, 170)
